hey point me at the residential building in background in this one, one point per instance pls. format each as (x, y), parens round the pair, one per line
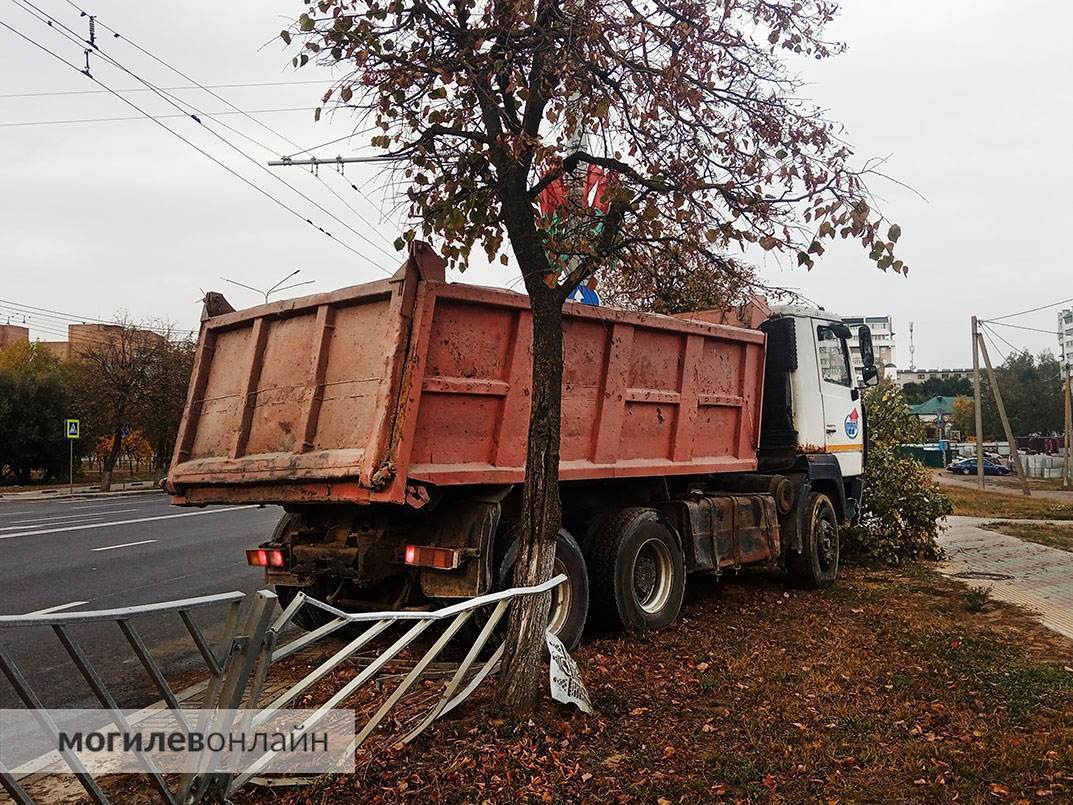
(882, 328)
(13, 334)
(79, 336)
(1065, 340)
(921, 375)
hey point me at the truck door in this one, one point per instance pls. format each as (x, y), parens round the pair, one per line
(843, 426)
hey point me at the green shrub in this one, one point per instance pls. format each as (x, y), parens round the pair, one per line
(902, 505)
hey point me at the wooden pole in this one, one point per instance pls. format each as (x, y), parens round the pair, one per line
(1005, 422)
(978, 399)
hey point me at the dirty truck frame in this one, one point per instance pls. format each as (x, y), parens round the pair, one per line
(389, 419)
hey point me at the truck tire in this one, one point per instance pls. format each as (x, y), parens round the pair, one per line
(637, 571)
(570, 600)
(816, 565)
(307, 617)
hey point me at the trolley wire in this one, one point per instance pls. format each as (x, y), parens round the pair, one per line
(23, 123)
(178, 104)
(143, 89)
(177, 71)
(193, 145)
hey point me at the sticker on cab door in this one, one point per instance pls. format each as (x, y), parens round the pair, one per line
(853, 424)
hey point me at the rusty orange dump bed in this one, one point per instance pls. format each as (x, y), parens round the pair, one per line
(366, 393)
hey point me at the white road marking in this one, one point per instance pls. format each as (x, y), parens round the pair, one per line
(124, 545)
(123, 522)
(115, 502)
(16, 524)
(58, 608)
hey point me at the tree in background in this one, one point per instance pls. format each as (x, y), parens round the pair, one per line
(916, 393)
(1031, 391)
(160, 407)
(902, 505)
(584, 134)
(670, 287)
(963, 417)
(113, 374)
(34, 401)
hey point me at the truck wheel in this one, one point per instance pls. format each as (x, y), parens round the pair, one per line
(817, 564)
(307, 618)
(637, 570)
(570, 599)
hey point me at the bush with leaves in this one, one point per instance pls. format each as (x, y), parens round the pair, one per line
(902, 505)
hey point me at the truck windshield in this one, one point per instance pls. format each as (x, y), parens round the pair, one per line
(834, 362)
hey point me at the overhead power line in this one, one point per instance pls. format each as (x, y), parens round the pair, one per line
(170, 89)
(330, 142)
(178, 72)
(992, 335)
(1031, 310)
(73, 318)
(1020, 327)
(193, 145)
(179, 104)
(142, 117)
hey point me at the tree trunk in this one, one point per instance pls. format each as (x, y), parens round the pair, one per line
(111, 458)
(541, 508)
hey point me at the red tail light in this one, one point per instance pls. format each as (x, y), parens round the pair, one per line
(265, 557)
(427, 556)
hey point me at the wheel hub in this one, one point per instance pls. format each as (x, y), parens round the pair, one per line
(653, 571)
(561, 600)
(825, 537)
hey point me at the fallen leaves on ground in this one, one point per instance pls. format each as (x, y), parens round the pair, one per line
(882, 688)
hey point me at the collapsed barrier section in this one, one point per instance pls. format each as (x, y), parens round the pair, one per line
(238, 674)
(222, 666)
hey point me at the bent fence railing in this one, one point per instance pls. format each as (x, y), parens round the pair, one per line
(217, 663)
(238, 672)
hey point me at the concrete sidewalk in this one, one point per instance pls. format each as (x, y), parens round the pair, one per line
(1035, 576)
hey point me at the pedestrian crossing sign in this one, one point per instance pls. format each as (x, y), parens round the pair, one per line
(72, 428)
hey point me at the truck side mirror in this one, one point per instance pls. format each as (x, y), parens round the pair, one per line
(869, 372)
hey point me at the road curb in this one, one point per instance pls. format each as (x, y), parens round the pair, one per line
(59, 494)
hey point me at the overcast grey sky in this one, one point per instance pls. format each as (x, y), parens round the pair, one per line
(970, 100)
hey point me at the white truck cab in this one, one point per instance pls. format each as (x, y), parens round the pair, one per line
(825, 397)
(813, 401)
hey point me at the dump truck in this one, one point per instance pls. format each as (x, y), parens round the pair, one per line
(390, 421)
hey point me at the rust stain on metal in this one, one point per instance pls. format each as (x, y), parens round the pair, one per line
(369, 392)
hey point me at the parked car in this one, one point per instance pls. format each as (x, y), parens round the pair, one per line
(967, 466)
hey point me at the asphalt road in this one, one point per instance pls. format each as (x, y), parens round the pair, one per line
(102, 553)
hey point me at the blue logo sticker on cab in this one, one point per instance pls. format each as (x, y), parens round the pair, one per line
(853, 424)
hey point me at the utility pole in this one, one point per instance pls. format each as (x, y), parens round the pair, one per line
(1005, 422)
(977, 397)
(1067, 395)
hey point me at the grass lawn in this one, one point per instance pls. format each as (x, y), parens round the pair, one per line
(885, 688)
(977, 503)
(1055, 536)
